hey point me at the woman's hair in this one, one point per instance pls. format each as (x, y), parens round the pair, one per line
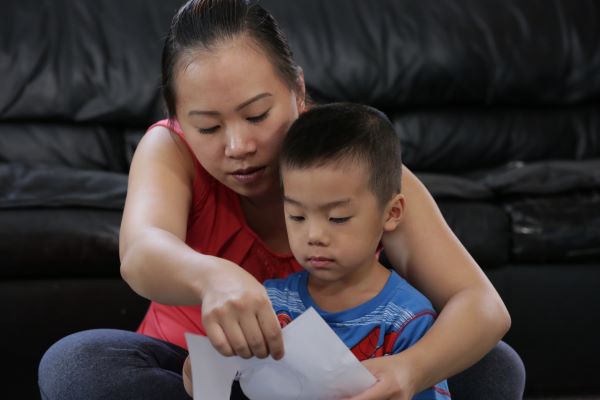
(204, 24)
(345, 132)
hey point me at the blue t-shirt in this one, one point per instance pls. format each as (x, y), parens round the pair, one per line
(390, 322)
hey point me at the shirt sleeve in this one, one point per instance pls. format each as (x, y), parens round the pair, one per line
(413, 330)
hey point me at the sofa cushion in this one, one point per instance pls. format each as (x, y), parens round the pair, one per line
(556, 229)
(68, 243)
(50, 186)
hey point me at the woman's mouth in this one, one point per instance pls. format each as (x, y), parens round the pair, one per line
(248, 175)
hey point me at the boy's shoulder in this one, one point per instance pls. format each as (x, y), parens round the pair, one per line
(402, 294)
(291, 281)
(285, 293)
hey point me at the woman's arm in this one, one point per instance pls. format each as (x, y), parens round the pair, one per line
(155, 261)
(472, 317)
(158, 264)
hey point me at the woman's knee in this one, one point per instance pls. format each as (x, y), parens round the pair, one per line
(500, 374)
(72, 362)
(106, 363)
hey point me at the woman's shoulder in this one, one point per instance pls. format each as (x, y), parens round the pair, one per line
(162, 144)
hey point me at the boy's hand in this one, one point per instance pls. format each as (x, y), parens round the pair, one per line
(394, 381)
(187, 376)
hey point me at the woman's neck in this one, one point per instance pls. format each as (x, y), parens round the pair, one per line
(265, 217)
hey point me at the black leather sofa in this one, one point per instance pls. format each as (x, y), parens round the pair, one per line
(497, 103)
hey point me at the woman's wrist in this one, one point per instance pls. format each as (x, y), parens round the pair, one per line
(204, 274)
(418, 376)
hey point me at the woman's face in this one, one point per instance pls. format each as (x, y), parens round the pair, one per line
(235, 110)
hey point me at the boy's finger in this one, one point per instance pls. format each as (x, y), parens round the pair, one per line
(187, 376)
(271, 332)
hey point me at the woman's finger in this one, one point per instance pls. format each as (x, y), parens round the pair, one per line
(217, 337)
(254, 335)
(237, 339)
(269, 325)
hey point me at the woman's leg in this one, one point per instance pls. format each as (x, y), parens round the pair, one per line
(500, 375)
(112, 364)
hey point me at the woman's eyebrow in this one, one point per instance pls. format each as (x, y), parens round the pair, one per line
(238, 108)
(252, 100)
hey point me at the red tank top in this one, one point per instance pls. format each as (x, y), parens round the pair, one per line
(216, 226)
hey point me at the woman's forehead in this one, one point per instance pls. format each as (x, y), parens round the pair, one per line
(234, 69)
(237, 55)
(229, 76)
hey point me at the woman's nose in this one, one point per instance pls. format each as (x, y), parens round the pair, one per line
(239, 143)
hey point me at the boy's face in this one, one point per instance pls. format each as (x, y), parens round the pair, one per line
(333, 219)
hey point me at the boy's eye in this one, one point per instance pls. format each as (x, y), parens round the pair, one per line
(212, 129)
(339, 220)
(258, 118)
(296, 218)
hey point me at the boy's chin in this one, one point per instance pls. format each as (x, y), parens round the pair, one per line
(324, 276)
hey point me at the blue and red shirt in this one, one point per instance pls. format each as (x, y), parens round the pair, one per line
(396, 318)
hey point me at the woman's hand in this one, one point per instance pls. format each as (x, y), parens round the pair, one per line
(394, 379)
(237, 315)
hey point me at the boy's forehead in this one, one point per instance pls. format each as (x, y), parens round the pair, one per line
(324, 183)
(323, 175)
(341, 166)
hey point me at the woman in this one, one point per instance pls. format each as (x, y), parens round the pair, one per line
(203, 224)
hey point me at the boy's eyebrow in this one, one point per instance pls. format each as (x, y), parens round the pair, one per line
(238, 108)
(325, 206)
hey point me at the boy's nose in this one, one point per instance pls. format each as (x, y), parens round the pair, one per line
(317, 236)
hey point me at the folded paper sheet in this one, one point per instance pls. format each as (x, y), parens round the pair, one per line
(317, 365)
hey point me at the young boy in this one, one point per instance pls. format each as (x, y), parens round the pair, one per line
(340, 168)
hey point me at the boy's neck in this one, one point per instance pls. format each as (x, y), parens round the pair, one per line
(344, 294)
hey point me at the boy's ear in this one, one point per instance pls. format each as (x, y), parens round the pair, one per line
(394, 213)
(300, 91)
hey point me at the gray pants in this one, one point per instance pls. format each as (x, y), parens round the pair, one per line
(114, 364)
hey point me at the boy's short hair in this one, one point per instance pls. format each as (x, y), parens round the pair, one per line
(340, 132)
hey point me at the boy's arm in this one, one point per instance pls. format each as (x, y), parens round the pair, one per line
(394, 368)
(412, 331)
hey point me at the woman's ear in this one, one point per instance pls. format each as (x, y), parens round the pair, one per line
(300, 91)
(394, 212)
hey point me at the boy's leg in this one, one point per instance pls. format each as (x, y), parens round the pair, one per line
(112, 364)
(500, 375)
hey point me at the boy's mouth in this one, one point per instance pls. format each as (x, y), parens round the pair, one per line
(319, 262)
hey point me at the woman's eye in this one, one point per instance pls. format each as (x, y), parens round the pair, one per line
(296, 218)
(258, 118)
(212, 129)
(339, 220)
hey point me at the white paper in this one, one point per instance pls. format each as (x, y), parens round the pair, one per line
(317, 366)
